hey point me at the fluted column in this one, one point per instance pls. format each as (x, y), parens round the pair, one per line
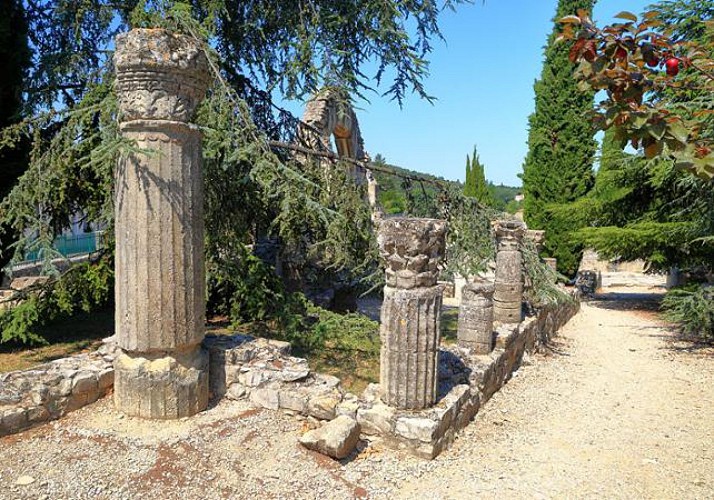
(160, 275)
(508, 294)
(475, 326)
(411, 311)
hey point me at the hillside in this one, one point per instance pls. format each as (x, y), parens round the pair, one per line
(393, 193)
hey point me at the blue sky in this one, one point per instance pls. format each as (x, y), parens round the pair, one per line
(483, 78)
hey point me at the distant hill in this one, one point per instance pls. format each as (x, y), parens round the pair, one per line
(505, 197)
(393, 198)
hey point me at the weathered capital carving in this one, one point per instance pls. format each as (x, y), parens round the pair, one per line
(509, 233)
(472, 292)
(160, 75)
(412, 250)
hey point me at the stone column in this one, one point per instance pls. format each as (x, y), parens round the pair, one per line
(373, 197)
(475, 327)
(537, 236)
(160, 277)
(508, 295)
(411, 311)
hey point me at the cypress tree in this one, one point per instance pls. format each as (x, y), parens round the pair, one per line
(476, 185)
(469, 174)
(561, 144)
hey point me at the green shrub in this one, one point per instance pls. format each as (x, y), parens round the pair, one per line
(342, 332)
(85, 287)
(692, 308)
(244, 288)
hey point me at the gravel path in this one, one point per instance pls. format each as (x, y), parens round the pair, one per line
(616, 409)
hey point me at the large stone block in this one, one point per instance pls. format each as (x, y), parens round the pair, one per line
(336, 438)
(165, 387)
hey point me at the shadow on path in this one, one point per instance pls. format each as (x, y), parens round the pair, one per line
(628, 301)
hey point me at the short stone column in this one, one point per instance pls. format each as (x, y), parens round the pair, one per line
(537, 236)
(162, 372)
(508, 294)
(551, 263)
(411, 311)
(475, 326)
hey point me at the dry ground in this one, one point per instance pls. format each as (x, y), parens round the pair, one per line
(616, 409)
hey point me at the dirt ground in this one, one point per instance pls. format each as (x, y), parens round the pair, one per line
(616, 408)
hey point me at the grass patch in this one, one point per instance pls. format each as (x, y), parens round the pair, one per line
(449, 325)
(65, 336)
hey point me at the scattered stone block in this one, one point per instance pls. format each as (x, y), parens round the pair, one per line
(265, 397)
(335, 439)
(323, 406)
(379, 419)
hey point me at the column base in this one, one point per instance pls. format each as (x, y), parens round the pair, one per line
(161, 387)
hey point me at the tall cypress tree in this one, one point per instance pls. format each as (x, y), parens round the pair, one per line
(476, 185)
(469, 174)
(561, 144)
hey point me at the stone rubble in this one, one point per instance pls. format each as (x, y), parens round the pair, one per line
(51, 390)
(336, 438)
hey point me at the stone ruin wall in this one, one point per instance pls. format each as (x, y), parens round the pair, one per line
(263, 372)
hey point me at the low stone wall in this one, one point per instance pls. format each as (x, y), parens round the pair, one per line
(264, 372)
(51, 390)
(465, 383)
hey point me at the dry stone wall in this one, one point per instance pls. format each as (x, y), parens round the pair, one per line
(51, 390)
(264, 372)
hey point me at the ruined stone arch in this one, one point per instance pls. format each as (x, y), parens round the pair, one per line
(330, 116)
(329, 112)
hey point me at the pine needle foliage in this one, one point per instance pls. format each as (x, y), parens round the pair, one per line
(541, 281)
(692, 308)
(85, 287)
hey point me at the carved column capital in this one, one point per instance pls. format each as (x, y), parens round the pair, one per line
(411, 250)
(159, 75)
(509, 233)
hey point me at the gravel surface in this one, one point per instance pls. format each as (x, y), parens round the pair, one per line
(615, 409)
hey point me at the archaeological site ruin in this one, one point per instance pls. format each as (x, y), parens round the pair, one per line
(160, 365)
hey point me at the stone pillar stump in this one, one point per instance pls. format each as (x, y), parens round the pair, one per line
(411, 311)
(508, 293)
(162, 372)
(537, 236)
(475, 326)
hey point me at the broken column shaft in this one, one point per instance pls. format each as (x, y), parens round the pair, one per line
(475, 327)
(411, 311)
(508, 294)
(160, 275)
